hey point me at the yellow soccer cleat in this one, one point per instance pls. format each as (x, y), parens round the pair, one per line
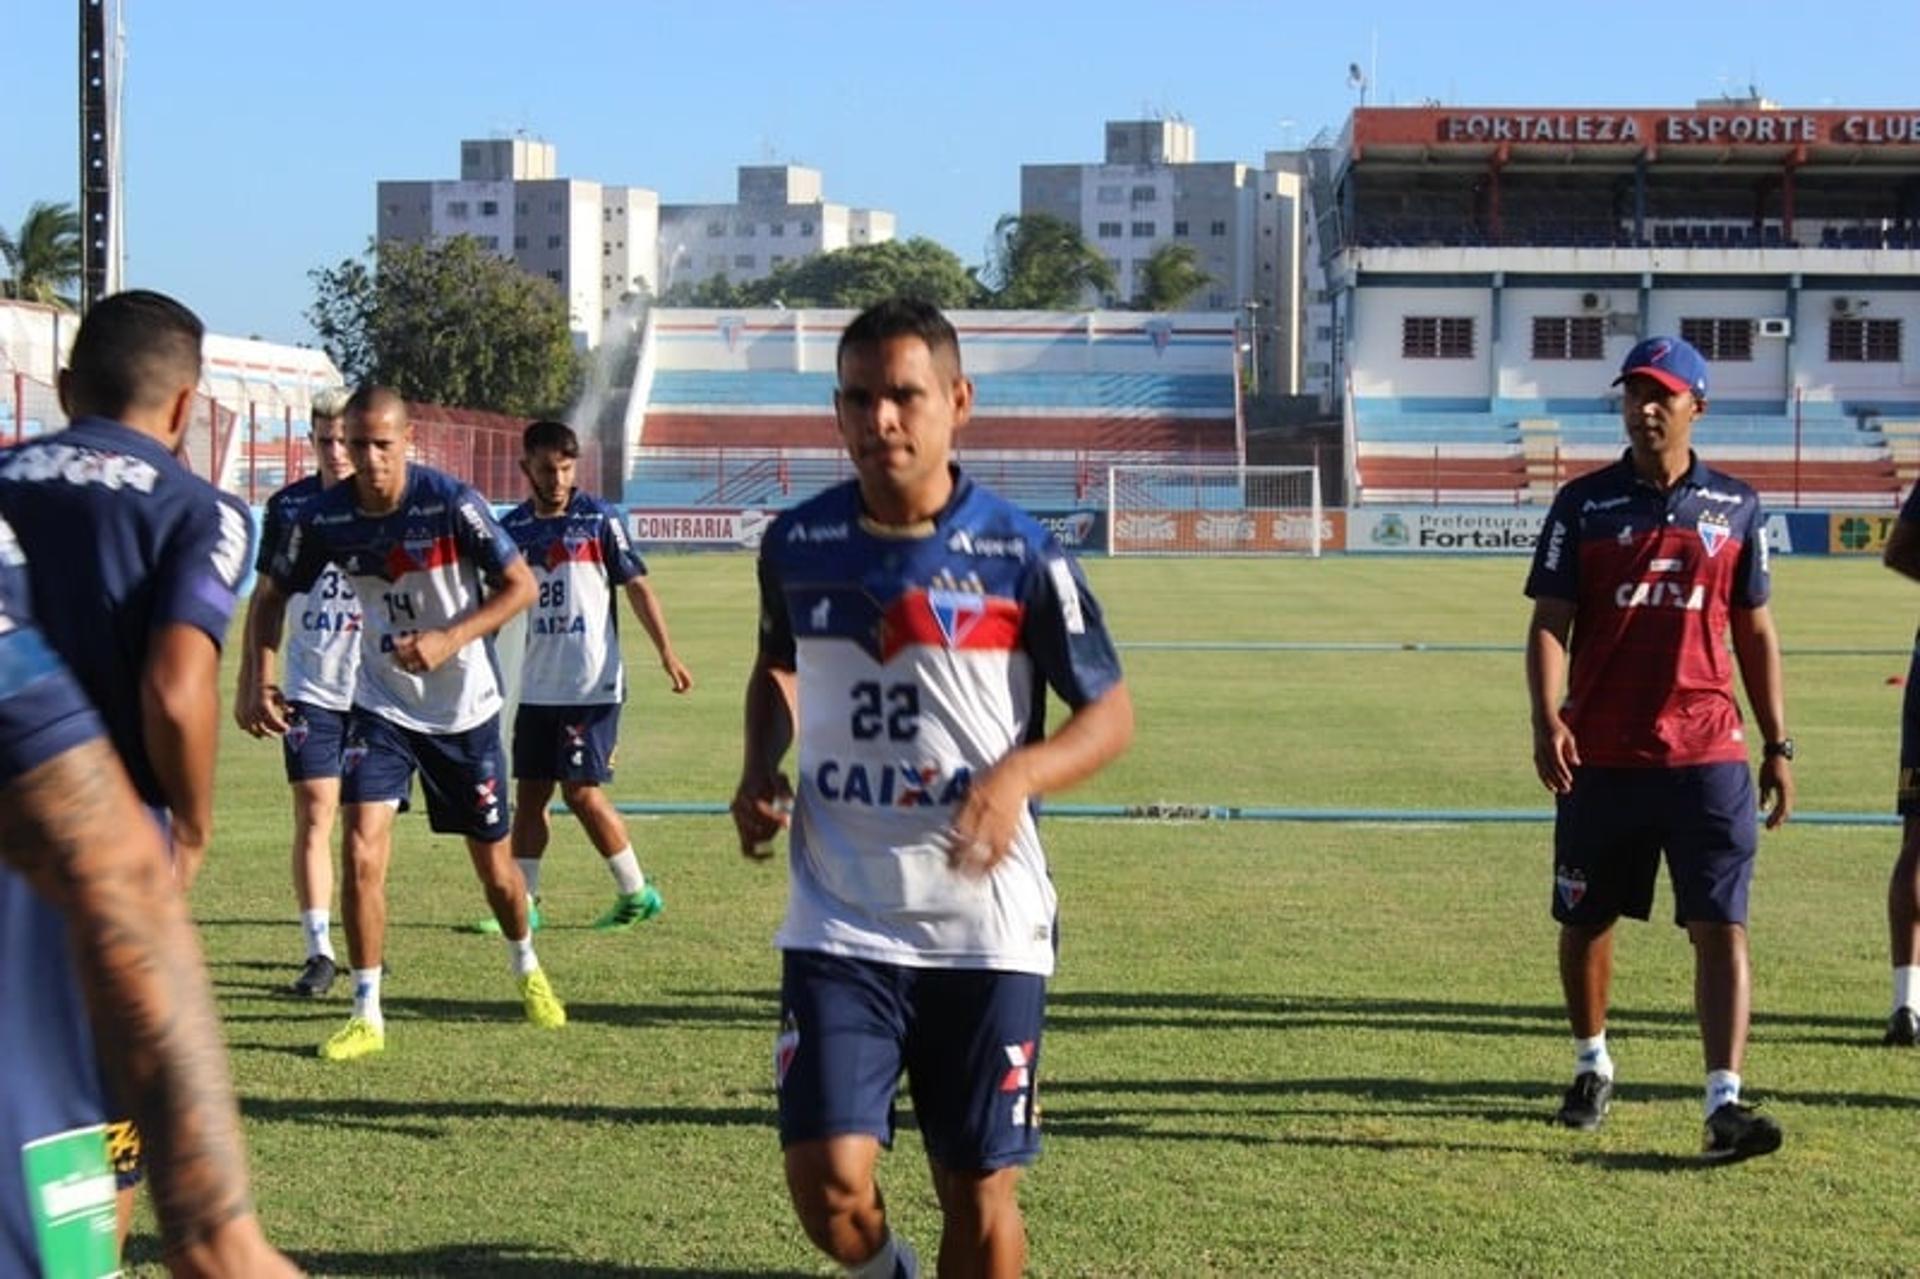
(358, 1038)
(544, 1008)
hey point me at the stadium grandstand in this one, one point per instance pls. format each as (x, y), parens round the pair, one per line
(734, 408)
(1490, 267)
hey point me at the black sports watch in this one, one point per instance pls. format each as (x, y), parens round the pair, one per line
(1782, 749)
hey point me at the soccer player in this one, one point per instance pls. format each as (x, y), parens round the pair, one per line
(310, 712)
(1648, 564)
(134, 561)
(101, 980)
(436, 577)
(572, 680)
(1902, 555)
(133, 564)
(911, 623)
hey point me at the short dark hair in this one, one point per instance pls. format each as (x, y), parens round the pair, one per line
(369, 399)
(548, 434)
(133, 350)
(902, 318)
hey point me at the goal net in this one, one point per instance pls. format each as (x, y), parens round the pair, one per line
(1214, 510)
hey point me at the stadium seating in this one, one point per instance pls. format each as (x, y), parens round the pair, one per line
(1406, 455)
(767, 438)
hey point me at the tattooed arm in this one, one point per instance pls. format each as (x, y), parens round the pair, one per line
(73, 827)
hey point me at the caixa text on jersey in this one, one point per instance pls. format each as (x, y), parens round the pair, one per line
(900, 785)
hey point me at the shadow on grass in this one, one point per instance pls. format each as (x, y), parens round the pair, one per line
(430, 1118)
(1646, 1161)
(495, 1260)
(506, 1009)
(1390, 1091)
(1109, 1010)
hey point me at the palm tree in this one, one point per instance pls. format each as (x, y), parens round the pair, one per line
(1169, 277)
(44, 259)
(1038, 262)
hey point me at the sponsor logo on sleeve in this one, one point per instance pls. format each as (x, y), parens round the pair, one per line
(1069, 592)
(230, 552)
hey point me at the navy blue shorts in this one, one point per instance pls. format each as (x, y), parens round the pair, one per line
(464, 775)
(565, 743)
(1908, 798)
(969, 1040)
(313, 741)
(1613, 827)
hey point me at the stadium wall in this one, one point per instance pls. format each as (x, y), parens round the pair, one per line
(1360, 530)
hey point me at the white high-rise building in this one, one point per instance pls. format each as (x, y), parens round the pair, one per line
(596, 242)
(1244, 223)
(779, 216)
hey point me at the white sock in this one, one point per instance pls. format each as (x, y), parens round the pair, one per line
(1723, 1086)
(1592, 1054)
(626, 872)
(520, 955)
(895, 1258)
(1906, 986)
(530, 871)
(318, 926)
(366, 996)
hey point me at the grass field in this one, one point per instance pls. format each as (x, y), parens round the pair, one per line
(1273, 1048)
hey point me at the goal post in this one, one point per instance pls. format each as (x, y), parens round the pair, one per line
(1214, 510)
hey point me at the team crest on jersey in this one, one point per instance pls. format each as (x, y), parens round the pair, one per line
(418, 544)
(957, 613)
(1570, 884)
(1714, 532)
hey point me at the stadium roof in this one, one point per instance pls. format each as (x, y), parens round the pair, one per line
(1612, 137)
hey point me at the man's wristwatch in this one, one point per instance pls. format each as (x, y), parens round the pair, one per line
(1782, 749)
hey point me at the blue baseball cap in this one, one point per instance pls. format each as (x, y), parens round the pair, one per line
(1672, 362)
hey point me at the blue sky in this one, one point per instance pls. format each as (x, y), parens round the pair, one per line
(256, 129)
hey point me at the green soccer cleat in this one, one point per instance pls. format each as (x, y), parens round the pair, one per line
(544, 1008)
(629, 909)
(490, 927)
(358, 1038)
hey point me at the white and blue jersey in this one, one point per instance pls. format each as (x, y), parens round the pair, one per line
(53, 1082)
(321, 654)
(921, 662)
(578, 558)
(121, 541)
(414, 569)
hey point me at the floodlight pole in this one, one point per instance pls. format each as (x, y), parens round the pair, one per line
(99, 150)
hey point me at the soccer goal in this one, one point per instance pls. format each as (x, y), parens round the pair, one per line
(1214, 510)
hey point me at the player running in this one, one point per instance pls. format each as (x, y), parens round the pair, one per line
(573, 681)
(436, 577)
(322, 660)
(911, 623)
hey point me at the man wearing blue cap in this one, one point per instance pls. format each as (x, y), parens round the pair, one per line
(1642, 570)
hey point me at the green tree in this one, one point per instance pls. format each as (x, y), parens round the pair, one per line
(44, 259)
(1169, 277)
(714, 291)
(448, 323)
(1038, 262)
(867, 273)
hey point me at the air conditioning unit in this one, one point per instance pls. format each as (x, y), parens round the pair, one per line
(1595, 303)
(1776, 326)
(1849, 306)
